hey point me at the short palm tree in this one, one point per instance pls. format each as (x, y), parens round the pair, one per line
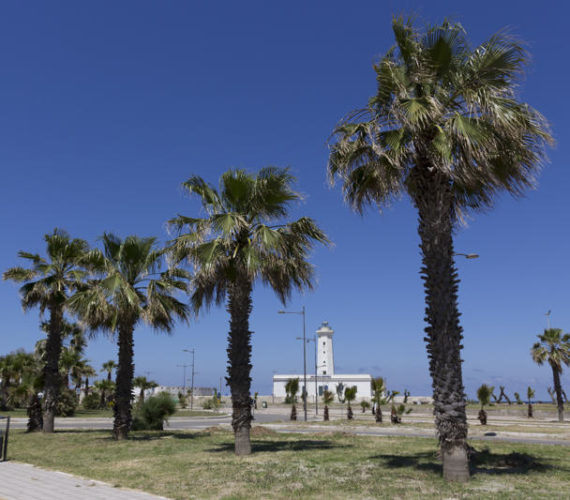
(48, 284)
(291, 389)
(244, 238)
(144, 385)
(484, 396)
(529, 396)
(445, 127)
(108, 367)
(105, 388)
(349, 396)
(378, 396)
(129, 288)
(553, 348)
(328, 398)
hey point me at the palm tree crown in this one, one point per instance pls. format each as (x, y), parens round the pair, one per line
(239, 238)
(447, 107)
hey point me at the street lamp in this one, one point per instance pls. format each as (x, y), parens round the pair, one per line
(302, 312)
(192, 389)
(468, 255)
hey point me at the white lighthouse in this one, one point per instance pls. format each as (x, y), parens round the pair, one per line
(326, 378)
(325, 357)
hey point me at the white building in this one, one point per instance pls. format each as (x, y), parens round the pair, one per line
(326, 378)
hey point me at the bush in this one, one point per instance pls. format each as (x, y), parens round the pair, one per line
(211, 404)
(91, 401)
(66, 403)
(150, 416)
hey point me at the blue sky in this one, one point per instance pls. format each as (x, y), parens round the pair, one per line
(108, 107)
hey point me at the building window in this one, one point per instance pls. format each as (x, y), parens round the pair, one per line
(324, 343)
(321, 390)
(324, 372)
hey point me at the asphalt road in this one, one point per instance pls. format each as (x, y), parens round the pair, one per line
(277, 420)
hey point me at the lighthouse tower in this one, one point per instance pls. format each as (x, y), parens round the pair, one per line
(325, 358)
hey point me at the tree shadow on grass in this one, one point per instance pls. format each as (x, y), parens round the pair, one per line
(487, 462)
(272, 446)
(480, 462)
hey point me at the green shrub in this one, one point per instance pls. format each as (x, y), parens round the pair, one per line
(66, 403)
(211, 404)
(91, 401)
(150, 416)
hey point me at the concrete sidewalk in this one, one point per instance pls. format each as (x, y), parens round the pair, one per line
(25, 482)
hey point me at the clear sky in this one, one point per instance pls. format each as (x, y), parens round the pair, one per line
(107, 107)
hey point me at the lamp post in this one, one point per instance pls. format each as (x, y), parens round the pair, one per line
(184, 378)
(468, 255)
(192, 389)
(302, 312)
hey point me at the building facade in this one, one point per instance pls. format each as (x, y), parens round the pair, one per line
(326, 378)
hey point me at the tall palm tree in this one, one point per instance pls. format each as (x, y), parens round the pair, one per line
(48, 284)
(129, 288)
(108, 367)
(445, 127)
(244, 238)
(553, 348)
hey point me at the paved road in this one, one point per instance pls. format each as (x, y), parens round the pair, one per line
(277, 418)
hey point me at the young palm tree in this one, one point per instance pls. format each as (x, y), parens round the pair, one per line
(349, 396)
(554, 348)
(484, 396)
(292, 388)
(129, 289)
(48, 283)
(445, 127)
(105, 388)
(378, 393)
(244, 238)
(328, 398)
(144, 385)
(529, 396)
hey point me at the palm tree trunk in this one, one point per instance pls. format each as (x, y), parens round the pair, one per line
(558, 390)
(239, 362)
(326, 414)
(52, 379)
(124, 387)
(433, 198)
(34, 412)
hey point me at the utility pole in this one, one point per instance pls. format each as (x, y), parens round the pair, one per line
(548, 319)
(314, 339)
(304, 339)
(192, 351)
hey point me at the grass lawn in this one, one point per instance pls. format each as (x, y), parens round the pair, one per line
(185, 465)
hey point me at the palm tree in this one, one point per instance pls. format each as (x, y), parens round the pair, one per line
(554, 348)
(445, 127)
(86, 371)
(108, 367)
(244, 238)
(328, 398)
(292, 388)
(350, 395)
(105, 387)
(378, 392)
(484, 396)
(48, 284)
(144, 385)
(529, 396)
(129, 289)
